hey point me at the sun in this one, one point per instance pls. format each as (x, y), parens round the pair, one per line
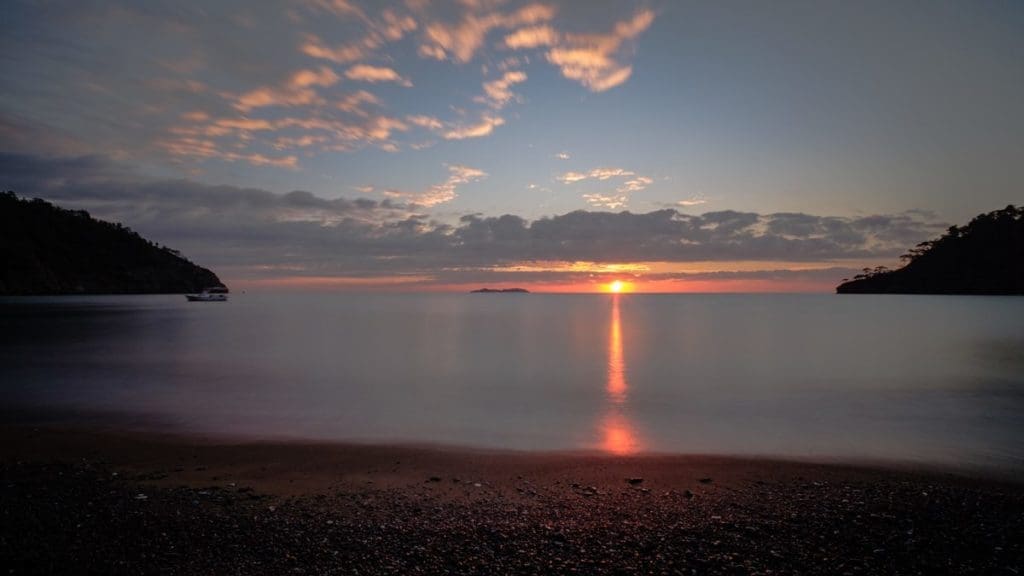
(616, 286)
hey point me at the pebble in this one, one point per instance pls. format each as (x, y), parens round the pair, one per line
(962, 527)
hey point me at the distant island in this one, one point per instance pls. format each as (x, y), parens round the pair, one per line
(45, 249)
(984, 257)
(499, 291)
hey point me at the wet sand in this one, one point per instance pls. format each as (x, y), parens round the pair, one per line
(78, 500)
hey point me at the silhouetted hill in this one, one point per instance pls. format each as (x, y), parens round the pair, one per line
(984, 257)
(49, 250)
(500, 291)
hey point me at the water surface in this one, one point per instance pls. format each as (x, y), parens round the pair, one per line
(933, 379)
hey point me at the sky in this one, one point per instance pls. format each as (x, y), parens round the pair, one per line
(428, 145)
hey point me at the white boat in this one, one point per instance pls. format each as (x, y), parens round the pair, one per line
(214, 294)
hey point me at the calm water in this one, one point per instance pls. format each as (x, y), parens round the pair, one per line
(928, 379)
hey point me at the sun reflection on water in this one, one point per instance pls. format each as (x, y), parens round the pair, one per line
(618, 436)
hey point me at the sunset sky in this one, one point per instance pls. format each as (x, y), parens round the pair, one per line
(426, 145)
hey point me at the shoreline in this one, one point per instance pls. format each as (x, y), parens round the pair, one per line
(141, 503)
(139, 448)
(50, 426)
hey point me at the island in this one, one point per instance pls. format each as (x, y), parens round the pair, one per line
(500, 291)
(984, 257)
(45, 249)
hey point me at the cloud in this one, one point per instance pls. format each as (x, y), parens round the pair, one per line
(314, 47)
(298, 90)
(609, 202)
(696, 201)
(423, 121)
(593, 60)
(302, 111)
(381, 127)
(191, 147)
(443, 192)
(484, 127)
(395, 25)
(20, 134)
(562, 156)
(634, 183)
(606, 173)
(355, 102)
(267, 97)
(595, 174)
(162, 205)
(322, 76)
(532, 37)
(498, 92)
(391, 26)
(276, 86)
(249, 231)
(461, 40)
(374, 74)
(232, 138)
(338, 7)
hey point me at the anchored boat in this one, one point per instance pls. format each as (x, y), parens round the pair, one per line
(213, 294)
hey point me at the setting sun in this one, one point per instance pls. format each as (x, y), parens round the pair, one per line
(616, 286)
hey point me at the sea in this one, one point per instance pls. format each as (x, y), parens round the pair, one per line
(932, 380)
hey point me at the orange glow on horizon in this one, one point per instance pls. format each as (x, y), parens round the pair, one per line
(566, 277)
(573, 284)
(427, 284)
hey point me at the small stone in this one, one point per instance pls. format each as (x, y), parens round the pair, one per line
(635, 480)
(705, 480)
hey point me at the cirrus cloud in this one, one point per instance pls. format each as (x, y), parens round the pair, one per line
(461, 40)
(443, 192)
(605, 199)
(216, 89)
(593, 60)
(374, 74)
(483, 127)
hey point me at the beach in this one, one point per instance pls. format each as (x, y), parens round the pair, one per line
(80, 500)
